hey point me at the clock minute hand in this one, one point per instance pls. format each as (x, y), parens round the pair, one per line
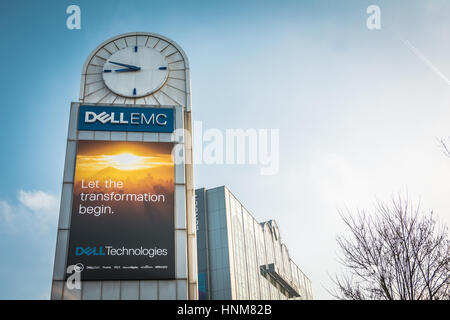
(125, 65)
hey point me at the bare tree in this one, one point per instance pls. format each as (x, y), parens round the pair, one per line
(398, 253)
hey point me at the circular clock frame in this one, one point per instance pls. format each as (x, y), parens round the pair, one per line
(174, 90)
(148, 72)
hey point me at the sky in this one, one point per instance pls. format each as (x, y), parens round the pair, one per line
(359, 112)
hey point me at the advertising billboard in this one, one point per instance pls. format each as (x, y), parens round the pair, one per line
(122, 222)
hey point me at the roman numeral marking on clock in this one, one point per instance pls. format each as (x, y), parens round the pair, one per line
(134, 91)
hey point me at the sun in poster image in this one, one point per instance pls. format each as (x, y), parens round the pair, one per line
(122, 211)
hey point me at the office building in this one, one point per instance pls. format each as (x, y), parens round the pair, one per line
(239, 257)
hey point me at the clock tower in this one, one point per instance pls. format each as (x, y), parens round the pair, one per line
(133, 234)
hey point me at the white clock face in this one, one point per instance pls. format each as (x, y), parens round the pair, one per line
(135, 71)
(136, 68)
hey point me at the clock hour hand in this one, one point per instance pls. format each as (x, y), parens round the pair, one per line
(127, 70)
(125, 65)
(121, 70)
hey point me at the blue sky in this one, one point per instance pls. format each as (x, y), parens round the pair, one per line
(359, 111)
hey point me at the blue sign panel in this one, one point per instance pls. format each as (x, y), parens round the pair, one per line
(103, 118)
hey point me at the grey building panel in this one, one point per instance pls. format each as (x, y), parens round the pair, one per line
(167, 290)
(59, 268)
(182, 291)
(66, 206)
(135, 136)
(57, 290)
(118, 136)
(72, 294)
(179, 120)
(150, 136)
(129, 290)
(91, 290)
(164, 137)
(102, 135)
(72, 133)
(180, 207)
(69, 166)
(85, 135)
(149, 290)
(179, 172)
(110, 290)
(180, 257)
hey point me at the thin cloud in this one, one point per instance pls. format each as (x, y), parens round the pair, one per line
(36, 211)
(38, 200)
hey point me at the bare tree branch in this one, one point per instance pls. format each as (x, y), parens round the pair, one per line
(445, 148)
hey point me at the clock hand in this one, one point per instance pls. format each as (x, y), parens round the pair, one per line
(127, 70)
(124, 65)
(121, 70)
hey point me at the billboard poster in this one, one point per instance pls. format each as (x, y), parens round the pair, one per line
(122, 222)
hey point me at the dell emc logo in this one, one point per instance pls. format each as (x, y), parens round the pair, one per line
(89, 251)
(159, 119)
(130, 119)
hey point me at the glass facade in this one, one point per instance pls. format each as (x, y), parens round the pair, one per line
(241, 258)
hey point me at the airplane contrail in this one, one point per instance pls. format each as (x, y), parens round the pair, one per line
(424, 59)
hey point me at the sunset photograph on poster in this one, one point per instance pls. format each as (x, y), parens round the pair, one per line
(122, 211)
